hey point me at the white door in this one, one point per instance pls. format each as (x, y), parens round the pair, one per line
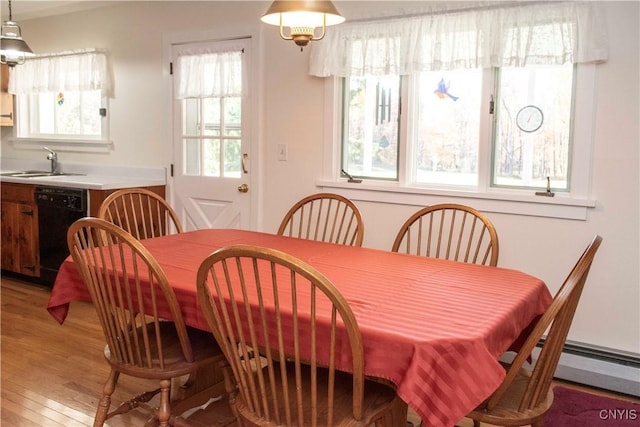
(211, 168)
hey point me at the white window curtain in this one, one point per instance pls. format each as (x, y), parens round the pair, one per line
(203, 72)
(77, 70)
(482, 37)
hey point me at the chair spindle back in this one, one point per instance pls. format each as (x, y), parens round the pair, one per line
(449, 231)
(141, 212)
(325, 217)
(275, 318)
(129, 291)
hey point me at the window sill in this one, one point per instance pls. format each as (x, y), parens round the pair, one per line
(75, 145)
(560, 206)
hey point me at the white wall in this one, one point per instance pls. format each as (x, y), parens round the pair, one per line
(292, 113)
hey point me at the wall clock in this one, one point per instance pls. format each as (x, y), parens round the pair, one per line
(529, 118)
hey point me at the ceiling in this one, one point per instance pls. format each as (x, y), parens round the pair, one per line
(29, 9)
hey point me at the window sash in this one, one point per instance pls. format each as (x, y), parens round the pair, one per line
(420, 135)
(538, 156)
(28, 120)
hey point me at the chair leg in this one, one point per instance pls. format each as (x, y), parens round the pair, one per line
(164, 409)
(230, 390)
(105, 401)
(538, 422)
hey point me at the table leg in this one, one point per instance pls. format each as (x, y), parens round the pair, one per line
(197, 388)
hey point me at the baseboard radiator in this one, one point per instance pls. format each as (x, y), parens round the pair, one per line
(596, 367)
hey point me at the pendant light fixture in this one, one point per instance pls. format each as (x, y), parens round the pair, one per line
(302, 18)
(13, 50)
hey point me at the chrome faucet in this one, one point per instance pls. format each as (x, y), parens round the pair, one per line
(53, 156)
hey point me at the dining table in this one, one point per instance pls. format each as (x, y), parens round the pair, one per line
(434, 328)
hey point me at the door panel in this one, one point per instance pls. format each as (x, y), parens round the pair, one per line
(212, 139)
(202, 209)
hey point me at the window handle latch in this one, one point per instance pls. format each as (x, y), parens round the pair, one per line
(547, 193)
(491, 105)
(351, 179)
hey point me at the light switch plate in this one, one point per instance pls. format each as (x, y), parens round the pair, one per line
(282, 152)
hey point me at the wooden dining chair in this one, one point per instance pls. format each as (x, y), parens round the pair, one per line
(145, 333)
(449, 231)
(141, 212)
(525, 395)
(283, 327)
(325, 217)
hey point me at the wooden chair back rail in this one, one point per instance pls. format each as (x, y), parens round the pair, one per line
(449, 231)
(282, 362)
(325, 217)
(558, 317)
(141, 212)
(127, 302)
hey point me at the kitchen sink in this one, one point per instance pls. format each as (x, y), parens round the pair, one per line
(36, 174)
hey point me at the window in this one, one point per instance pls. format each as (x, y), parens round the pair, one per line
(447, 128)
(490, 103)
(532, 136)
(370, 139)
(62, 97)
(212, 139)
(442, 133)
(66, 115)
(211, 89)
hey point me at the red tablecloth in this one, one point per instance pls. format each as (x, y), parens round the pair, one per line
(435, 328)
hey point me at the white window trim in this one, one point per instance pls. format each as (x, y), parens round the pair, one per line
(574, 205)
(34, 83)
(59, 144)
(102, 144)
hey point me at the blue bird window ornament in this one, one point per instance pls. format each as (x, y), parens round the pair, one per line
(443, 90)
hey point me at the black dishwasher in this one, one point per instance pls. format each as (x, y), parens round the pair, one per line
(58, 208)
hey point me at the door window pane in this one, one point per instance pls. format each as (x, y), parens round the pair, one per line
(211, 157)
(232, 115)
(191, 156)
(212, 137)
(191, 117)
(232, 157)
(211, 108)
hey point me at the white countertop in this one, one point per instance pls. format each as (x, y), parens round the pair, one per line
(88, 182)
(90, 177)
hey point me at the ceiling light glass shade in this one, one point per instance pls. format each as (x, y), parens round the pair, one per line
(302, 18)
(13, 50)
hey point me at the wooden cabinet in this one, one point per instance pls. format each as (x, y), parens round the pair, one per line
(19, 229)
(19, 239)
(6, 99)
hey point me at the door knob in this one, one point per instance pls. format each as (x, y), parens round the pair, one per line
(243, 188)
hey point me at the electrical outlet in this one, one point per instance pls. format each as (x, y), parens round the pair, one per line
(282, 152)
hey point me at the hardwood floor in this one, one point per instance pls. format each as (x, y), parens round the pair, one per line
(51, 374)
